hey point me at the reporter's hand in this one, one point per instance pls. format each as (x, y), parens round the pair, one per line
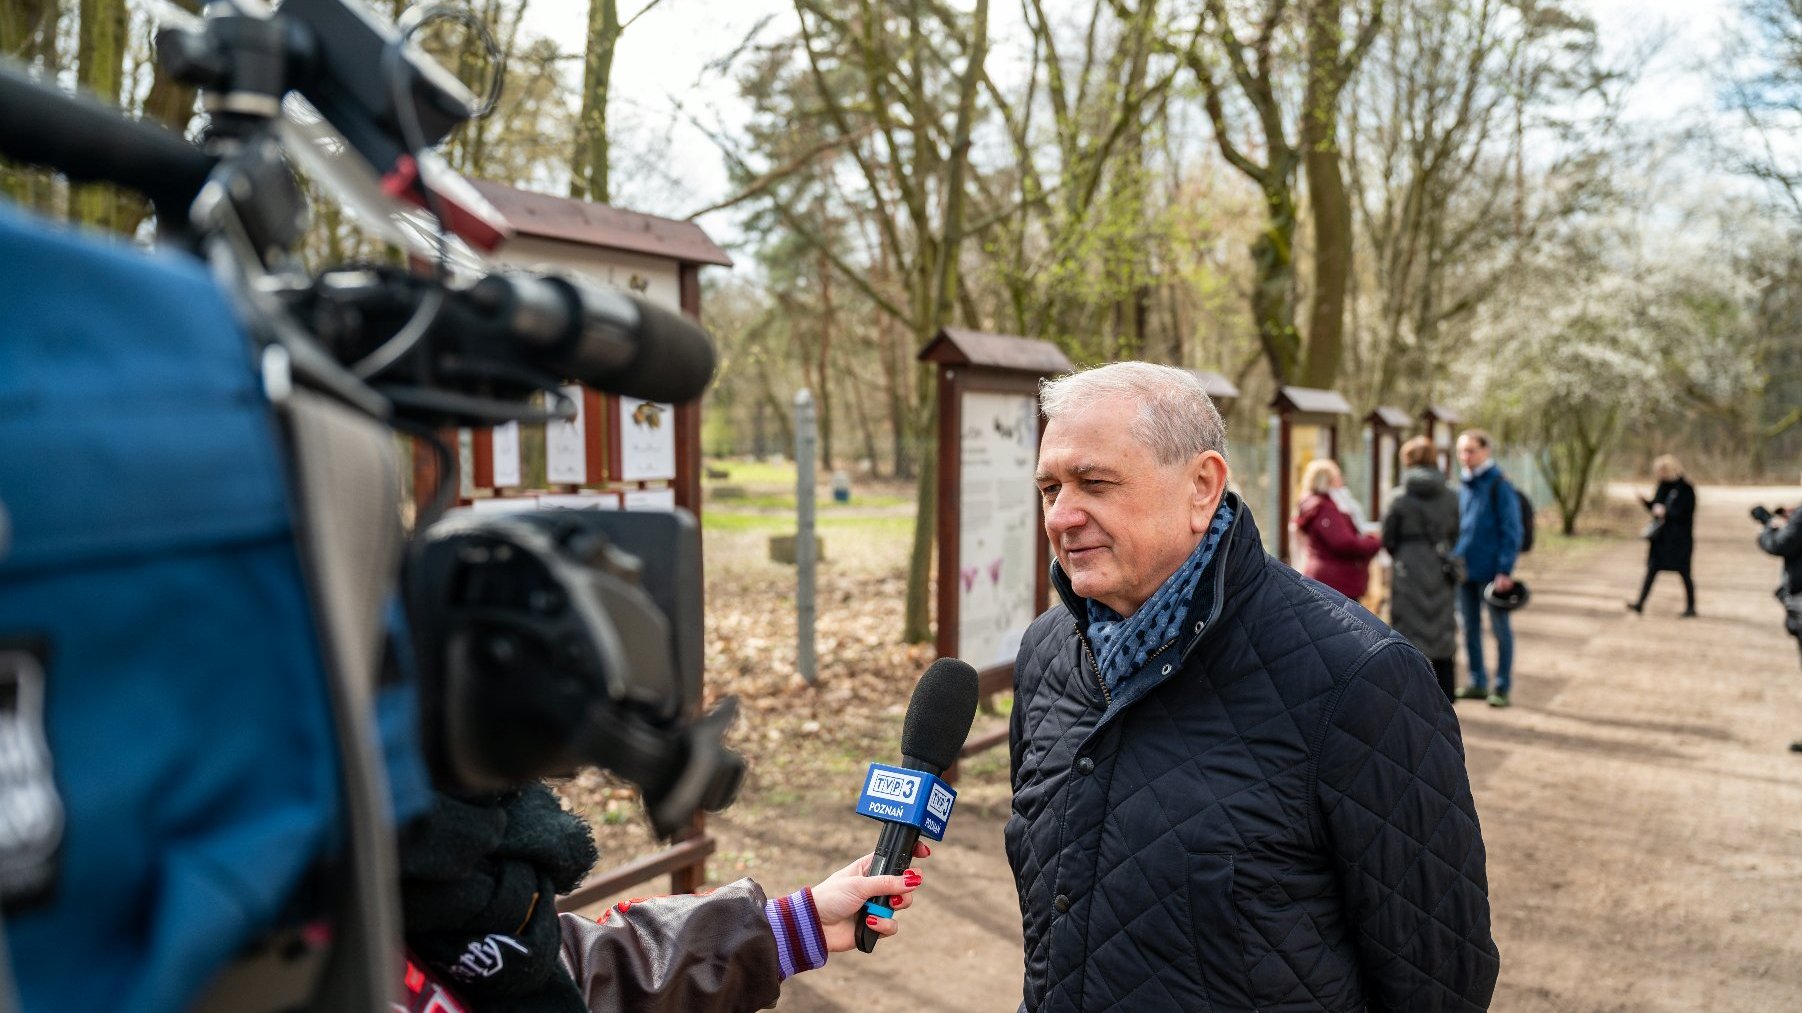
(840, 899)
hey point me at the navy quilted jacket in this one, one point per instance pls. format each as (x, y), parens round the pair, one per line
(1274, 815)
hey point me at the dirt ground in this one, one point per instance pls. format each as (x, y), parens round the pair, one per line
(1642, 815)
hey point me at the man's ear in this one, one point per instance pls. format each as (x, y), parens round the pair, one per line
(1207, 487)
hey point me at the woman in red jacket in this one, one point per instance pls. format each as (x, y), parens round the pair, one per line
(1338, 553)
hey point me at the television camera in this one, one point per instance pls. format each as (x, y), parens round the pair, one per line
(542, 642)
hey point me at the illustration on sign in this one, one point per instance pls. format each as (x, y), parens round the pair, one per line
(998, 542)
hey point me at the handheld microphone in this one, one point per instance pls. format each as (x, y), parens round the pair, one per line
(910, 799)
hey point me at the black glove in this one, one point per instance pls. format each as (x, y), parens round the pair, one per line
(479, 883)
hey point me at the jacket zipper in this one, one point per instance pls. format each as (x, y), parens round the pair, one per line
(1094, 666)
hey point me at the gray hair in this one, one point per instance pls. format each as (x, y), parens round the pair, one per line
(1176, 419)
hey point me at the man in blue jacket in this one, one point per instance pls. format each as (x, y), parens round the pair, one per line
(1234, 789)
(1489, 533)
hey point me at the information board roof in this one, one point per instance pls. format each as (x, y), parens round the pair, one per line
(1310, 401)
(1216, 384)
(580, 221)
(1392, 417)
(957, 347)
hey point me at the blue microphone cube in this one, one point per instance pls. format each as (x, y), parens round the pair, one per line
(913, 797)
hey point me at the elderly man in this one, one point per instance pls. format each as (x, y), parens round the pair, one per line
(1234, 790)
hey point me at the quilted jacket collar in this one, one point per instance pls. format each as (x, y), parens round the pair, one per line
(1236, 565)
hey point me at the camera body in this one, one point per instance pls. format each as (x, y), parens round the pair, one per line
(545, 644)
(1764, 516)
(245, 460)
(421, 350)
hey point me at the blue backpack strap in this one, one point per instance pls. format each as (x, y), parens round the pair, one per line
(9, 994)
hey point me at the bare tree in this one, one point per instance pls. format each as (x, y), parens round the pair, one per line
(593, 159)
(884, 80)
(1451, 98)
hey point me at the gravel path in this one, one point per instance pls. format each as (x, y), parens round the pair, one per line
(1643, 817)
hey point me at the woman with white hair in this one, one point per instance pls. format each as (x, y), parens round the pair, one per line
(1338, 553)
(1670, 534)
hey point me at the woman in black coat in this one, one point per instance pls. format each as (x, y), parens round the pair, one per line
(1671, 532)
(1419, 531)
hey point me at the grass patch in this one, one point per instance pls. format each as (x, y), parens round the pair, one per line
(748, 472)
(728, 522)
(786, 502)
(731, 523)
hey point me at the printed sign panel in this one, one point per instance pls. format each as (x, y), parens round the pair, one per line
(506, 455)
(647, 440)
(663, 499)
(999, 530)
(580, 501)
(466, 464)
(652, 278)
(565, 446)
(913, 797)
(504, 505)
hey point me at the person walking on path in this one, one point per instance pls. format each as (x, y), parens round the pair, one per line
(1489, 534)
(1782, 537)
(1420, 531)
(1338, 553)
(1670, 535)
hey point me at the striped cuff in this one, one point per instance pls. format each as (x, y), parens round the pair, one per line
(800, 943)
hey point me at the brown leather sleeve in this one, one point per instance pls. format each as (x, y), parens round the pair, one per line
(694, 953)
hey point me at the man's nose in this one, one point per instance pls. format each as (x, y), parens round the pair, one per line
(1062, 514)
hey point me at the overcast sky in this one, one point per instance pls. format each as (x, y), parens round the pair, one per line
(662, 63)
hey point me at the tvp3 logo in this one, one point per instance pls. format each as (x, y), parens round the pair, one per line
(914, 797)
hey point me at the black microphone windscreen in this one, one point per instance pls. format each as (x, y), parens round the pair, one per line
(675, 358)
(940, 713)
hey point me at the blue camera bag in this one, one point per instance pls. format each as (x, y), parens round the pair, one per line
(153, 575)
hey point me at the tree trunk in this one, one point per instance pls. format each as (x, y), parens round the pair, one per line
(588, 176)
(917, 628)
(28, 34)
(1331, 211)
(823, 394)
(938, 297)
(1329, 66)
(100, 68)
(1273, 291)
(860, 410)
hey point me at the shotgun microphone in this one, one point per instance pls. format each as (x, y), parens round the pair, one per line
(910, 799)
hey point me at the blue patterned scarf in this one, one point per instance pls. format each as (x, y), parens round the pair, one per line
(1123, 643)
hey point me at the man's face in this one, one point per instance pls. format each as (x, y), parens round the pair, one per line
(1120, 522)
(1471, 454)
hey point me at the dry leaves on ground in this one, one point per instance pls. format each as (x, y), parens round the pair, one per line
(789, 730)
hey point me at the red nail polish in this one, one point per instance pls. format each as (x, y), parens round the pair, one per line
(911, 878)
(896, 900)
(925, 849)
(870, 921)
